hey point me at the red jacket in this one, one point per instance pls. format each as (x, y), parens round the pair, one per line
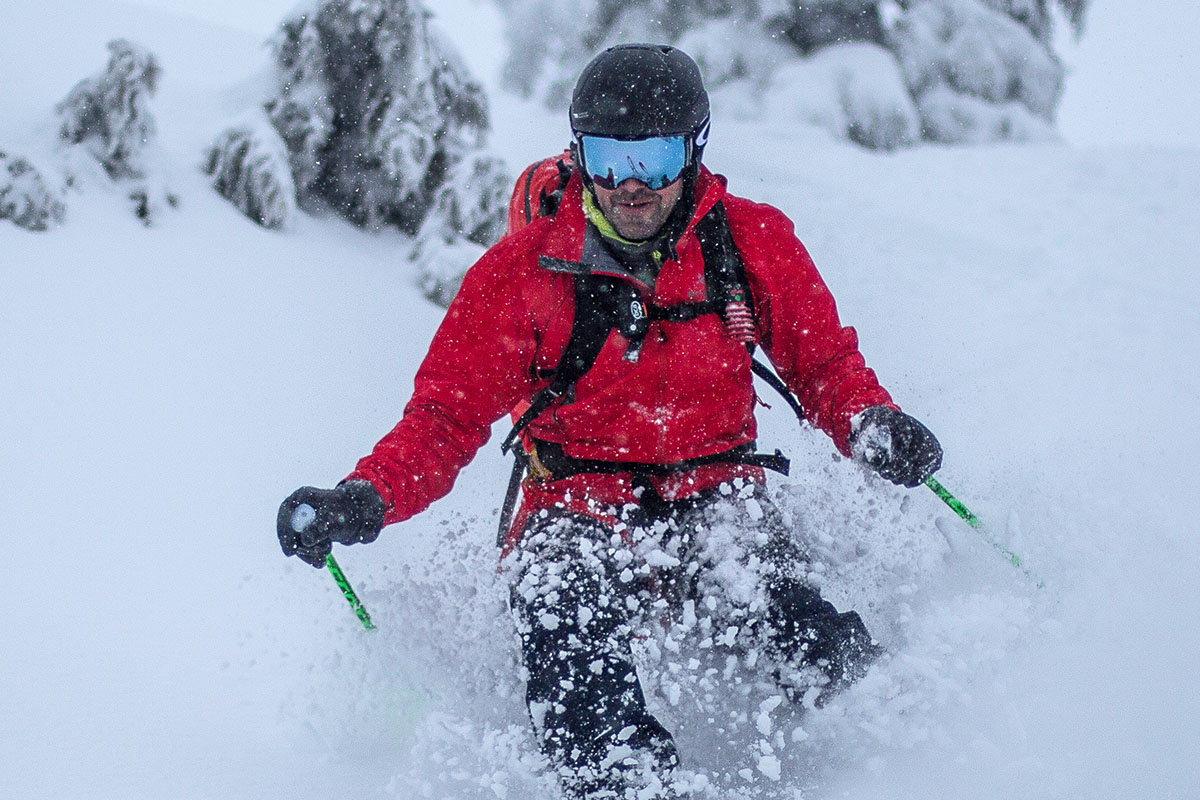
(688, 394)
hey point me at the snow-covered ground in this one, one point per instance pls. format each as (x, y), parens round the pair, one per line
(162, 389)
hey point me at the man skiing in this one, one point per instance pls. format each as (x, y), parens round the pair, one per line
(621, 328)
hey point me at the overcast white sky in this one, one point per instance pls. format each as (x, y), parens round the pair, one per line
(1134, 77)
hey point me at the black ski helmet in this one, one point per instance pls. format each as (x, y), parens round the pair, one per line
(634, 91)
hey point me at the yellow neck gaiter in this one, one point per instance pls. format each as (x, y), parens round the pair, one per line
(606, 229)
(597, 218)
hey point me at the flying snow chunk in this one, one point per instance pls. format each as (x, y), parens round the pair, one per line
(769, 766)
(754, 510)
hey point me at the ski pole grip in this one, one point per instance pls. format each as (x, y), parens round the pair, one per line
(302, 517)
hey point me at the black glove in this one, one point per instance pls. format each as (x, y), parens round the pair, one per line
(310, 520)
(895, 445)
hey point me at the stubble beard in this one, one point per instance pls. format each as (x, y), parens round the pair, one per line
(636, 215)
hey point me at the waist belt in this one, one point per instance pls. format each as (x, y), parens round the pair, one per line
(548, 462)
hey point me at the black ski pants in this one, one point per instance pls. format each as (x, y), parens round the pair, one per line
(578, 587)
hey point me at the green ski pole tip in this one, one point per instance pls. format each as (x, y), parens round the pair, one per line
(966, 514)
(348, 592)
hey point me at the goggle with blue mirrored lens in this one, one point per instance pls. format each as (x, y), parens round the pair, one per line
(657, 161)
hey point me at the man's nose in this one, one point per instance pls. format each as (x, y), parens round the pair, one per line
(632, 185)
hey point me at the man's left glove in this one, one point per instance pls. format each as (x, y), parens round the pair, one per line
(310, 520)
(895, 445)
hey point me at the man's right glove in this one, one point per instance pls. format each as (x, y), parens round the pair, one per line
(895, 445)
(310, 520)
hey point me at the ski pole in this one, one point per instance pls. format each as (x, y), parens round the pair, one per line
(302, 517)
(360, 610)
(969, 517)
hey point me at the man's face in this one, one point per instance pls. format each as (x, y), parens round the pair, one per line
(636, 210)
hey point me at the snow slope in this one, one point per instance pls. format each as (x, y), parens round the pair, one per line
(162, 389)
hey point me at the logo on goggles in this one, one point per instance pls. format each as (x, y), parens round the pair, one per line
(656, 162)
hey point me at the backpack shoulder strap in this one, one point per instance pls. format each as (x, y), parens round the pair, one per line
(725, 276)
(724, 270)
(593, 321)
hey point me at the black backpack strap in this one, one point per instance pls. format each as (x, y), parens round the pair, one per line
(724, 271)
(594, 319)
(725, 275)
(558, 465)
(771, 379)
(685, 312)
(595, 297)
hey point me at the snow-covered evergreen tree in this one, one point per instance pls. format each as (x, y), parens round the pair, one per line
(376, 112)
(374, 116)
(1038, 15)
(883, 73)
(461, 221)
(25, 197)
(851, 90)
(551, 40)
(967, 65)
(249, 168)
(812, 24)
(109, 114)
